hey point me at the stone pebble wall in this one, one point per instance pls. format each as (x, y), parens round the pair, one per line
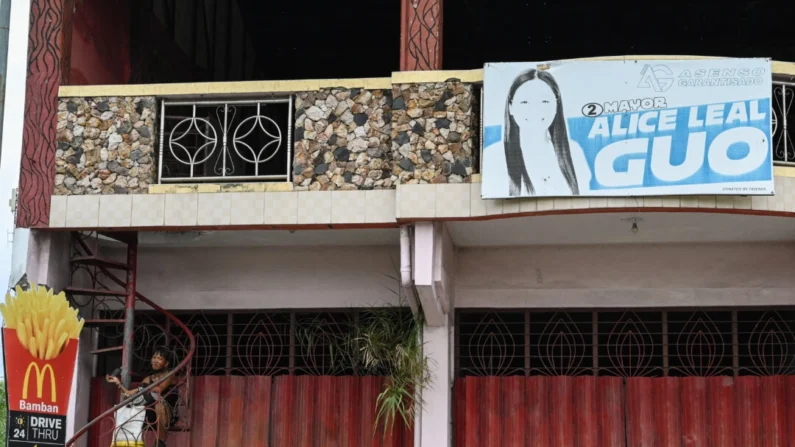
(362, 139)
(345, 139)
(105, 145)
(342, 140)
(433, 132)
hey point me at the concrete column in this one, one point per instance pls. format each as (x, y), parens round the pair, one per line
(436, 428)
(48, 43)
(434, 257)
(421, 35)
(424, 266)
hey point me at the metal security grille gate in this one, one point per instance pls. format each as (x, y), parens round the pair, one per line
(635, 378)
(260, 378)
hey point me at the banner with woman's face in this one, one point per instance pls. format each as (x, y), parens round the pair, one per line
(627, 128)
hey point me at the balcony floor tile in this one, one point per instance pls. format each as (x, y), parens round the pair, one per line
(115, 211)
(246, 208)
(281, 208)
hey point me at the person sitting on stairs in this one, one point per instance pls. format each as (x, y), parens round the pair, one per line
(161, 401)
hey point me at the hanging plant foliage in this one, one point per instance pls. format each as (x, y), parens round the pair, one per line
(386, 342)
(390, 344)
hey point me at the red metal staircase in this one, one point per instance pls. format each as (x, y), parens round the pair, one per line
(109, 294)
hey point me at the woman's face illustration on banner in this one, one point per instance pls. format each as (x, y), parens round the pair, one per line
(534, 106)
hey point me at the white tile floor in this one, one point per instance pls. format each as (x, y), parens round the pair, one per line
(415, 201)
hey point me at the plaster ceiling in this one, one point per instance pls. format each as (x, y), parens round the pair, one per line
(281, 238)
(606, 228)
(614, 228)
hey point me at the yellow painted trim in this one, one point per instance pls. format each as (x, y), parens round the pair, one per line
(784, 68)
(400, 77)
(203, 188)
(243, 187)
(420, 77)
(220, 88)
(367, 83)
(173, 189)
(784, 171)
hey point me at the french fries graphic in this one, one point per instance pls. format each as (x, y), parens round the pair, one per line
(44, 322)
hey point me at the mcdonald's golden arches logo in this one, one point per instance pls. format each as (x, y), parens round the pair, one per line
(40, 341)
(40, 376)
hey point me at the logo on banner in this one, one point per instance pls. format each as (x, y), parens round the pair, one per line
(628, 132)
(658, 77)
(40, 376)
(40, 346)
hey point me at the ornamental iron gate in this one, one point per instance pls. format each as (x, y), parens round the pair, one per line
(639, 378)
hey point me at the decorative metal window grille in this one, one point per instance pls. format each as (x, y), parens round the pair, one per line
(247, 343)
(625, 344)
(227, 141)
(783, 147)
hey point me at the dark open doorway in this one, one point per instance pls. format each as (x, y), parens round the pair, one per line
(161, 41)
(479, 31)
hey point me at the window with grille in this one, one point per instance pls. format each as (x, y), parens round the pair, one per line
(268, 343)
(636, 343)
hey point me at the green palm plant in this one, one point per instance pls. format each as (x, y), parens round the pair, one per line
(384, 341)
(390, 344)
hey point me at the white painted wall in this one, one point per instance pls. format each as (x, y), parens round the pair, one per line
(48, 263)
(268, 277)
(13, 121)
(48, 259)
(627, 275)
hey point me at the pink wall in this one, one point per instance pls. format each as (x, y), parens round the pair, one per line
(626, 275)
(642, 275)
(100, 43)
(269, 277)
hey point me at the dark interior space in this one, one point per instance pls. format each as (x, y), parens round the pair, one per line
(480, 31)
(162, 41)
(148, 41)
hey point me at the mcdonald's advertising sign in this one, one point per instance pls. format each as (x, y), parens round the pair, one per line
(38, 380)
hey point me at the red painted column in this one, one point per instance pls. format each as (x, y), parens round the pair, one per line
(421, 35)
(46, 56)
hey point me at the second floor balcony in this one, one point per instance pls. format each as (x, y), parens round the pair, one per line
(358, 134)
(126, 147)
(364, 134)
(171, 97)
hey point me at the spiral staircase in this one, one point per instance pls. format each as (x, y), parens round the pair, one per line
(109, 294)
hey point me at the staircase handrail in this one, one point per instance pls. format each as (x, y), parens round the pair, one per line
(180, 366)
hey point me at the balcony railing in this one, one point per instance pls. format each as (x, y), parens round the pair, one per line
(783, 147)
(225, 141)
(252, 139)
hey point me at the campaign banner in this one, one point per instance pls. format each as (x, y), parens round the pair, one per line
(627, 128)
(40, 344)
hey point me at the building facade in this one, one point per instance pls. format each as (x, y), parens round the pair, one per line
(252, 225)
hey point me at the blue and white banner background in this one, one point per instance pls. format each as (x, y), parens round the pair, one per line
(630, 128)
